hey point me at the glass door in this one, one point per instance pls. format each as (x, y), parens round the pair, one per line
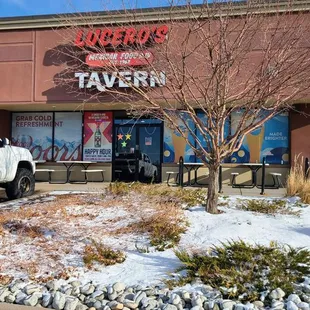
(138, 150)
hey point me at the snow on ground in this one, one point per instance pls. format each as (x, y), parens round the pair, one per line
(143, 268)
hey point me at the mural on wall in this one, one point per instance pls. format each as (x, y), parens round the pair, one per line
(98, 136)
(68, 136)
(200, 138)
(270, 141)
(34, 131)
(175, 145)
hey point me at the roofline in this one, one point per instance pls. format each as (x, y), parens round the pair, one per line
(141, 15)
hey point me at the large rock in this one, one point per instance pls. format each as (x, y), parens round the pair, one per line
(303, 306)
(71, 303)
(119, 287)
(20, 297)
(294, 298)
(169, 307)
(47, 300)
(291, 305)
(31, 288)
(278, 293)
(31, 301)
(4, 292)
(88, 289)
(10, 299)
(59, 301)
(227, 304)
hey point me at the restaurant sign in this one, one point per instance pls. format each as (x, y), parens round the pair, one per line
(124, 58)
(121, 36)
(123, 79)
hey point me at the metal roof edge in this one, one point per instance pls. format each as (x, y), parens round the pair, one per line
(143, 15)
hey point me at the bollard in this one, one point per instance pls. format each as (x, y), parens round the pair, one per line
(181, 169)
(220, 180)
(263, 176)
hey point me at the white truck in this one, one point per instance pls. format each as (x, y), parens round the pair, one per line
(17, 170)
(125, 164)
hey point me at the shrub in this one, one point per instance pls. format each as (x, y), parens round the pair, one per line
(297, 183)
(240, 269)
(98, 252)
(267, 207)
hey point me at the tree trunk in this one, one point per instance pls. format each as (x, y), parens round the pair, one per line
(213, 188)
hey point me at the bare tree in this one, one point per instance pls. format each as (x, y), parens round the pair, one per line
(217, 58)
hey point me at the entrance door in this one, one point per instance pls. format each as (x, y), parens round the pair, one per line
(138, 150)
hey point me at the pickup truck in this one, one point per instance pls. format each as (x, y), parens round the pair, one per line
(17, 170)
(125, 164)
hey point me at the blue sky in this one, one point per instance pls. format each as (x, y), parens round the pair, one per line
(10, 8)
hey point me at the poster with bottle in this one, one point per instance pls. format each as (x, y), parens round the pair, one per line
(34, 132)
(97, 142)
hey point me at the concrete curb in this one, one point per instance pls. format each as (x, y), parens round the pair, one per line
(4, 306)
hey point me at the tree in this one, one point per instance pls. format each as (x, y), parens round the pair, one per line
(218, 58)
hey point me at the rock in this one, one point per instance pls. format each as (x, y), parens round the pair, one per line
(130, 304)
(186, 296)
(31, 301)
(169, 307)
(196, 308)
(239, 307)
(87, 289)
(47, 300)
(306, 288)
(175, 299)
(97, 305)
(16, 286)
(92, 308)
(4, 292)
(71, 303)
(75, 291)
(59, 301)
(294, 298)
(110, 289)
(129, 296)
(227, 304)
(119, 287)
(112, 296)
(81, 307)
(20, 298)
(139, 296)
(81, 297)
(99, 295)
(75, 283)
(151, 304)
(53, 285)
(277, 294)
(216, 307)
(10, 299)
(114, 305)
(291, 305)
(196, 301)
(303, 306)
(277, 304)
(259, 304)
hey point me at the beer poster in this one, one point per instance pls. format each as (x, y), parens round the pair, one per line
(270, 141)
(68, 136)
(97, 136)
(34, 132)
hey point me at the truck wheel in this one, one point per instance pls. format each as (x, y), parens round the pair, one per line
(22, 186)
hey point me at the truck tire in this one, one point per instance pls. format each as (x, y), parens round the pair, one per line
(22, 186)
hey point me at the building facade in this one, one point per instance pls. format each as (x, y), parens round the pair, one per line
(57, 124)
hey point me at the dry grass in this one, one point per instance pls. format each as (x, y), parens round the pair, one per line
(46, 239)
(297, 183)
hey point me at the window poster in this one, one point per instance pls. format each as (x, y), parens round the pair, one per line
(34, 131)
(270, 141)
(68, 136)
(98, 136)
(175, 145)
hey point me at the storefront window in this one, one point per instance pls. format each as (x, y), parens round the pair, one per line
(34, 131)
(68, 136)
(175, 145)
(98, 136)
(270, 141)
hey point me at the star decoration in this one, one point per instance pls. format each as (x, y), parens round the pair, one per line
(124, 144)
(120, 136)
(128, 136)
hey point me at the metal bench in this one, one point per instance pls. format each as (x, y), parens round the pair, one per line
(176, 177)
(276, 180)
(49, 173)
(86, 173)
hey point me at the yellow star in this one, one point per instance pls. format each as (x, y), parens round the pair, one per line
(124, 144)
(120, 136)
(128, 136)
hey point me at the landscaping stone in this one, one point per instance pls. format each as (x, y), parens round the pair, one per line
(31, 301)
(59, 301)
